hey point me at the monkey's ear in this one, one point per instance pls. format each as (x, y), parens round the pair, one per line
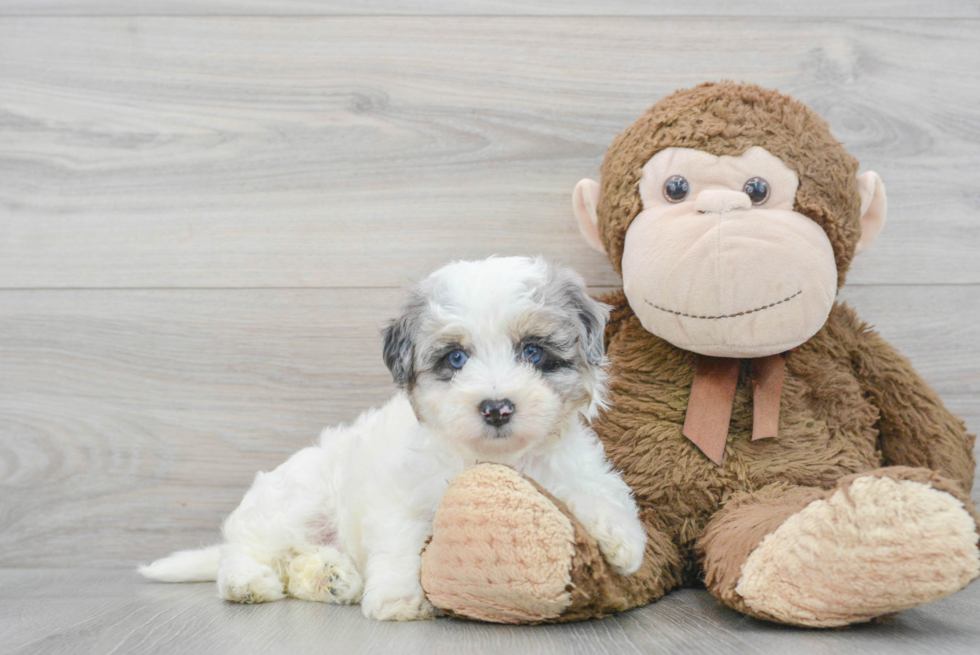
(585, 198)
(873, 208)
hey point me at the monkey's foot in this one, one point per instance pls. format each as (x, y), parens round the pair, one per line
(503, 550)
(872, 547)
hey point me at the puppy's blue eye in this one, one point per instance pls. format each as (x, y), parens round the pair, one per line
(457, 358)
(532, 354)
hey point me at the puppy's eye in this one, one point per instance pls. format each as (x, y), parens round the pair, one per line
(676, 188)
(457, 359)
(531, 354)
(757, 190)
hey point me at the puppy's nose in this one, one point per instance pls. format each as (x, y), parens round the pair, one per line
(496, 412)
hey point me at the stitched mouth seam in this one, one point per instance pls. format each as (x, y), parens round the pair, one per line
(711, 318)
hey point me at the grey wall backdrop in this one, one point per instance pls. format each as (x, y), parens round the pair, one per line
(209, 207)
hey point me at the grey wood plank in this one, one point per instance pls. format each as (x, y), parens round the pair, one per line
(264, 152)
(827, 8)
(79, 611)
(132, 421)
(932, 326)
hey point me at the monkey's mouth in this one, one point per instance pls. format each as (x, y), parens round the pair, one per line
(720, 316)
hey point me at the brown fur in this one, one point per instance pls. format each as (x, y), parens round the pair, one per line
(736, 531)
(830, 426)
(739, 528)
(727, 119)
(851, 405)
(596, 590)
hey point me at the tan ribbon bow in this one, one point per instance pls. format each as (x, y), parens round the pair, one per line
(709, 410)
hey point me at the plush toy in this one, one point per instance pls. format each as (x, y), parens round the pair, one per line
(780, 451)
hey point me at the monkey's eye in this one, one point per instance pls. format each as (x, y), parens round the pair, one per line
(676, 188)
(757, 190)
(457, 358)
(531, 354)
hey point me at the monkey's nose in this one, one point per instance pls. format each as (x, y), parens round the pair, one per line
(712, 201)
(496, 412)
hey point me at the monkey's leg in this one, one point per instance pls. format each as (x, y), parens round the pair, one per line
(504, 550)
(878, 543)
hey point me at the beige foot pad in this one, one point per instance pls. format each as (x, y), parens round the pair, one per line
(875, 547)
(501, 551)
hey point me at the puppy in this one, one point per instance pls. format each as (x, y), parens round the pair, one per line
(499, 360)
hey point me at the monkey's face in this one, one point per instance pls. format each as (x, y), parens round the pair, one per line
(737, 253)
(719, 263)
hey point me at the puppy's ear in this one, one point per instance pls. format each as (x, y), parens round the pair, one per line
(593, 315)
(590, 314)
(399, 344)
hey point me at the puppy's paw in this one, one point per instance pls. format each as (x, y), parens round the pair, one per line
(412, 607)
(258, 584)
(624, 554)
(324, 575)
(621, 540)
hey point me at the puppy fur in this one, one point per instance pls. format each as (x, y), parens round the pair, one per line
(345, 521)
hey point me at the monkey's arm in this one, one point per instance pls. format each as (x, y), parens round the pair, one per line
(914, 427)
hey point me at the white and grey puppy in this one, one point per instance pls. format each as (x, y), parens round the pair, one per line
(499, 360)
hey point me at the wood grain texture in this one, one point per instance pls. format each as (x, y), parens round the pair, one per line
(126, 417)
(132, 421)
(713, 8)
(46, 612)
(205, 220)
(340, 152)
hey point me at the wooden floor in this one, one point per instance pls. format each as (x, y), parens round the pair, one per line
(47, 611)
(208, 208)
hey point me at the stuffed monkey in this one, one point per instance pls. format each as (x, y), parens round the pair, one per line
(780, 451)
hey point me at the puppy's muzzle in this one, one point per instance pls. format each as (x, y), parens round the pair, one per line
(496, 412)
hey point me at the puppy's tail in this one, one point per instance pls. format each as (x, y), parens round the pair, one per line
(185, 566)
